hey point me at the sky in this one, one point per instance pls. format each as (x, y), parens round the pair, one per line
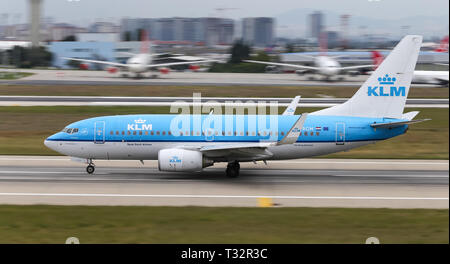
(84, 12)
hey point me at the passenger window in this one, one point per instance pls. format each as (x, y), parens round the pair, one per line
(129, 132)
(306, 133)
(123, 133)
(169, 133)
(157, 133)
(152, 133)
(164, 133)
(312, 133)
(111, 133)
(282, 133)
(146, 133)
(253, 133)
(140, 133)
(317, 133)
(134, 133)
(117, 132)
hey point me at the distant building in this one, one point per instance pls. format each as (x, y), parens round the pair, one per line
(98, 37)
(258, 31)
(315, 22)
(332, 39)
(108, 51)
(60, 31)
(104, 27)
(209, 30)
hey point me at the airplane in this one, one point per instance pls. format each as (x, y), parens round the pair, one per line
(420, 76)
(324, 65)
(190, 143)
(143, 62)
(437, 47)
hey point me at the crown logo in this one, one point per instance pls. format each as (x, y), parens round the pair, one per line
(140, 121)
(386, 79)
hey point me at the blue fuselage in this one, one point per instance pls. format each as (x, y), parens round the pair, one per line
(162, 131)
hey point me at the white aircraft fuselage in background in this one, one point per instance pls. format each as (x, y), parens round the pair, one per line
(138, 63)
(327, 66)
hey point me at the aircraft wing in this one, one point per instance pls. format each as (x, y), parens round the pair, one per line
(250, 151)
(99, 62)
(178, 63)
(284, 65)
(356, 67)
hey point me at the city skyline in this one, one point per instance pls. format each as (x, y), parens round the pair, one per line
(290, 16)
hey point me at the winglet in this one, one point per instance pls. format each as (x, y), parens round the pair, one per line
(293, 134)
(290, 110)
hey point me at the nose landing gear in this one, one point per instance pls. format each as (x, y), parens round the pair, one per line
(233, 169)
(91, 167)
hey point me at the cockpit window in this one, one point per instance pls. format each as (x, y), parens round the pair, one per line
(70, 130)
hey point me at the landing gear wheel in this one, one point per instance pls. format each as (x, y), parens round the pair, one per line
(233, 169)
(90, 169)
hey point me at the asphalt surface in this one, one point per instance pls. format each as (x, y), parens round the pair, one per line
(78, 77)
(344, 184)
(167, 101)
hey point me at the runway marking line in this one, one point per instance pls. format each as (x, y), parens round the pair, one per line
(222, 196)
(300, 162)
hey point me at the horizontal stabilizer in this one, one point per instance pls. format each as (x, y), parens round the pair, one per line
(396, 124)
(410, 115)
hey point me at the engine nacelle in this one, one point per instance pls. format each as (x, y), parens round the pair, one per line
(84, 66)
(112, 70)
(164, 70)
(300, 72)
(182, 160)
(194, 68)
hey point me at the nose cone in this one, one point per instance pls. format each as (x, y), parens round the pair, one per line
(50, 142)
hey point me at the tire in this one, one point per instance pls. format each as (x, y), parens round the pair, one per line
(232, 171)
(90, 169)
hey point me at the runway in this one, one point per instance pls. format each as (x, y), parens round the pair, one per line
(168, 101)
(79, 77)
(309, 182)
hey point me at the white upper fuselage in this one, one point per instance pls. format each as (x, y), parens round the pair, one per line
(328, 66)
(138, 63)
(439, 77)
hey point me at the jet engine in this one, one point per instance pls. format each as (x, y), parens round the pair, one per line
(300, 72)
(164, 70)
(182, 160)
(194, 68)
(112, 70)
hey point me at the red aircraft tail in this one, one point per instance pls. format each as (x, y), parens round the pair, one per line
(443, 47)
(145, 45)
(377, 59)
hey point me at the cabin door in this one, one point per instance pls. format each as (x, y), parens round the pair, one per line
(340, 133)
(99, 132)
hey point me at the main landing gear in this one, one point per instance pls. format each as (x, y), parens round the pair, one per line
(91, 167)
(233, 169)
